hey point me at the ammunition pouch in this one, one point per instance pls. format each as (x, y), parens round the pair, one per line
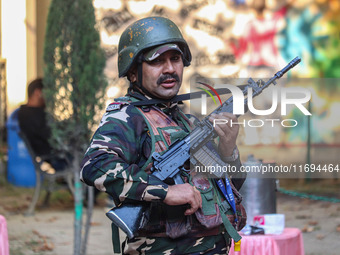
(215, 209)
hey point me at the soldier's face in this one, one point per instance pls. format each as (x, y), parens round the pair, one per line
(162, 77)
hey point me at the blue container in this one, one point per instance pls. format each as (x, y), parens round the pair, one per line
(20, 168)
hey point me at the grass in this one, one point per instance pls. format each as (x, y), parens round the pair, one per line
(321, 187)
(17, 199)
(14, 199)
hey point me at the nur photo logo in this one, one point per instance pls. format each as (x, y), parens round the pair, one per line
(204, 97)
(286, 97)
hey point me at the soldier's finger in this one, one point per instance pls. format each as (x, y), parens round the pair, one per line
(194, 207)
(229, 116)
(220, 132)
(195, 201)
(198, 197)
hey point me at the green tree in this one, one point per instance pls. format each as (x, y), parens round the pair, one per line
(74, 83)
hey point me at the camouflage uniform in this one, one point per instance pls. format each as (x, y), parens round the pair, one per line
(118, 160)
(113, 163)
(210, 245)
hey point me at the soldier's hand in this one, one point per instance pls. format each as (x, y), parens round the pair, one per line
(226, 132)
(182, 194)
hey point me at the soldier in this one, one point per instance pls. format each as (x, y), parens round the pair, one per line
(152, 55)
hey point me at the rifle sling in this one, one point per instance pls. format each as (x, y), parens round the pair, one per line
(183, 97)
(115, 238)
(229, 227)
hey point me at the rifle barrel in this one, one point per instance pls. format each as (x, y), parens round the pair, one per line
(290, 65)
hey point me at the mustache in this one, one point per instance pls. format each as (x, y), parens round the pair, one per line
(166, 77)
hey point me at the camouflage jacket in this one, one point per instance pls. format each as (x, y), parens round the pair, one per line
(115, 163)
(118, 150)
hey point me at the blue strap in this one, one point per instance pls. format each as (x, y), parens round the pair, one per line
(228, 193)
(231, 231)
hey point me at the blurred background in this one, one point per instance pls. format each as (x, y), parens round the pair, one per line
(228, 39)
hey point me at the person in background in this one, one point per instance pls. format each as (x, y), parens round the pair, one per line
(33, 124)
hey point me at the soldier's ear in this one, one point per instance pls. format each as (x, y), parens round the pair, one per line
(132, 75)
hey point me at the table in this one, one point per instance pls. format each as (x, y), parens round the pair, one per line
(290, 242)
(4, 246)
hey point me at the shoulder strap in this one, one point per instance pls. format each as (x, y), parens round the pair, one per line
(182, 97)
(115, 238)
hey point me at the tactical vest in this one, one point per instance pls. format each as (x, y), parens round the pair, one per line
(162, 220)
(165, 220)
(163, 130)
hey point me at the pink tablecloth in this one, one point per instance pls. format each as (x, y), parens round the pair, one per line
(4, 246)
(290, 242)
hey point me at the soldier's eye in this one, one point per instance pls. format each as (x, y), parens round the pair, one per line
(176, 57)
(155, 61)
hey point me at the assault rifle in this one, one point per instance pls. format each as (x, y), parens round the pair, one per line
(192, 148)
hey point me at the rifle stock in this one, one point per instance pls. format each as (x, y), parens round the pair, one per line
(127, 217)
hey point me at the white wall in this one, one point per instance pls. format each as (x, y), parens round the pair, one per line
(13, 48)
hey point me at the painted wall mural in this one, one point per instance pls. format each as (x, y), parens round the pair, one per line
(238, 39)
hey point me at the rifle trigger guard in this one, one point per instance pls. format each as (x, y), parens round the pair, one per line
(156, 156)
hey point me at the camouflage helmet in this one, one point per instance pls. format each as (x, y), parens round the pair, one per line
(145, 34)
